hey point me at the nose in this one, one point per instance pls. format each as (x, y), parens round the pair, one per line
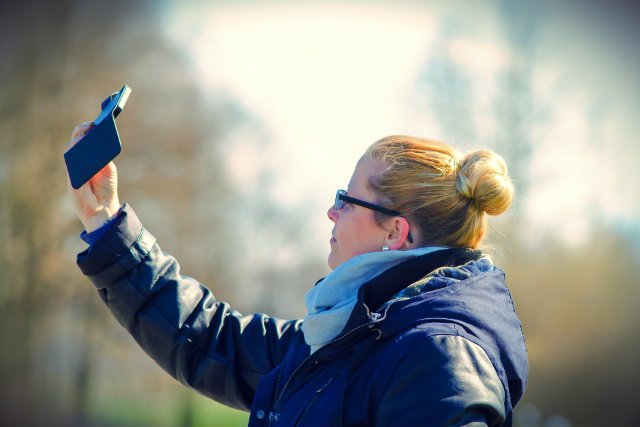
(332, 214)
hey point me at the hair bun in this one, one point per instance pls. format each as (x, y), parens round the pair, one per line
(483, 178)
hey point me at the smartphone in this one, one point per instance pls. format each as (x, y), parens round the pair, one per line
(101, 145)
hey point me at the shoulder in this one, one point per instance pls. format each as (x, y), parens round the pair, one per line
(438, 347)
(448, 374)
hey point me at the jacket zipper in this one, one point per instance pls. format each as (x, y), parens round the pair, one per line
(295, 371)
(301, 417)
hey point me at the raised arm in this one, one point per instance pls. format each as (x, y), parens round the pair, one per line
(200, 341)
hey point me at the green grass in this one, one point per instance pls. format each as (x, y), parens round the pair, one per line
(171, 413)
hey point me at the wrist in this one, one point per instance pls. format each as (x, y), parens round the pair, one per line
(101, 217)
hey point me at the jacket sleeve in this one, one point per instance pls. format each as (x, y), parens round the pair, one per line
(200, 341)
(446, 381)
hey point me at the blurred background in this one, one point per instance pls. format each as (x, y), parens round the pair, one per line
(245, 116)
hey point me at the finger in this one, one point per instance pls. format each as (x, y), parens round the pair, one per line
(78, 132)
(81, 129)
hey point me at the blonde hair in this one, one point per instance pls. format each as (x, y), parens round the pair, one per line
(446, 195)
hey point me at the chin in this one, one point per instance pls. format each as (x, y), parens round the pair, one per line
(331, 261)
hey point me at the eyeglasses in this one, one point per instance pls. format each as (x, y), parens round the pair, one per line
(342, 198)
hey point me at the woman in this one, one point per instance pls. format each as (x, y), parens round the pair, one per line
(414, 326)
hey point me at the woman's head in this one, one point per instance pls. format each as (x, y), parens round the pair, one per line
(442, 196)
(445, 196)
(357, 230)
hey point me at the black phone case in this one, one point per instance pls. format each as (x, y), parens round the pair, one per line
(100, 146)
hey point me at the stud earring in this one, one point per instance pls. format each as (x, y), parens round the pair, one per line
(385, 248)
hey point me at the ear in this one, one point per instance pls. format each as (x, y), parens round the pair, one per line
(397, 232)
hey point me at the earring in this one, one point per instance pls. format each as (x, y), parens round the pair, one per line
(385, 248)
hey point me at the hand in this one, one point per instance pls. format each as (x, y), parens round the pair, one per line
(97, 200)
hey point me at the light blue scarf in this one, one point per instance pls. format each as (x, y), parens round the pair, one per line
(331, 301)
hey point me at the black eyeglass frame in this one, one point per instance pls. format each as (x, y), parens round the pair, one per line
(341, 196)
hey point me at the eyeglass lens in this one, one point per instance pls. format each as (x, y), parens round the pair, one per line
(338, 203)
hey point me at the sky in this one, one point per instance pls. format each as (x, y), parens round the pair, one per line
(325, 80)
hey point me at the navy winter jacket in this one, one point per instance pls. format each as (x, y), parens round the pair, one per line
(453, 355)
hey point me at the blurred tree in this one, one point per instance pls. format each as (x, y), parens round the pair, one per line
(577, 305)
(59, 61)
(575, 301)
(514, 104)
(447, 90)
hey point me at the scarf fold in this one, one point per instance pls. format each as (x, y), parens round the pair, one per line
(331, 301)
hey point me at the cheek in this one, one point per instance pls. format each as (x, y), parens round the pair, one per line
(355, 236)
(346, 229)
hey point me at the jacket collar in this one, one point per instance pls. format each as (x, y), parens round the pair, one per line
(373, 294)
